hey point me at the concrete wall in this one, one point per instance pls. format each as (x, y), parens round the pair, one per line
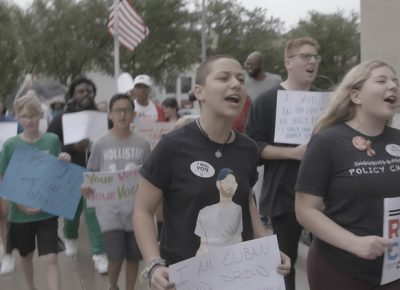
(380, 31)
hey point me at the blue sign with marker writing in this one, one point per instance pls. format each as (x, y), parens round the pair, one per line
(40, 180)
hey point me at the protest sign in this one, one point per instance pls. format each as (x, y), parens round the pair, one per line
(111, 188)
(7, 130)
(39, 180)
(296, 114)
(248, 265)
(153, 131)
(391, 230)
(85, 124)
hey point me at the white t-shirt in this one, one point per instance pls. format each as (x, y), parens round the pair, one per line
(219, 225)
(145, 114)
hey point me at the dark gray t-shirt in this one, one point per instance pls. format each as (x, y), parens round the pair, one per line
(353, 178)
(110, 153)
(255, 88)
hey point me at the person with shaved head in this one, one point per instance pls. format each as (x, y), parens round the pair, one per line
(257, 79)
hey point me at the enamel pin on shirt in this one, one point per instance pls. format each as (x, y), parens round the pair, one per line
(363, 144)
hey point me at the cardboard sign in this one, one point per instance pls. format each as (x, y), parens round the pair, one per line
(391, 230)
(112, 188)
(248, 265)
(82, 125)
(296, 115)
(154, 131)
(39, 180)
(7, 130)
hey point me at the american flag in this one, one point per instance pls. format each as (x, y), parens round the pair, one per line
(132, 29)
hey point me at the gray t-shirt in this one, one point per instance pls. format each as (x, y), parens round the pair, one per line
(255, 87)
(110, 153)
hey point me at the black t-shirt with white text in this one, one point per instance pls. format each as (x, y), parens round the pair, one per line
(353, 173)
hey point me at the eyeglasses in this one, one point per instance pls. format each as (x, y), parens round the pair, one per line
(307, 57)
(120, 111)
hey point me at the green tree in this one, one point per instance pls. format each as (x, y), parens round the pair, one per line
(339, 38)
(64, 38)
(10, 61)
(173, 42)
(233, 29)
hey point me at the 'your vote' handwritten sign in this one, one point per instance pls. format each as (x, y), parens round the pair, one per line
(119, 187)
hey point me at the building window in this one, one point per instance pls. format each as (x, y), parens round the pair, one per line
(186, 84)
(170, 84)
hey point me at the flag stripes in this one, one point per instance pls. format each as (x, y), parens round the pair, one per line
(131, 28)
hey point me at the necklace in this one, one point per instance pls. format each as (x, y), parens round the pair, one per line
(217, 153)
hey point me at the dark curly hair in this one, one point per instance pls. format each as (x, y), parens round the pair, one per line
(75, 83)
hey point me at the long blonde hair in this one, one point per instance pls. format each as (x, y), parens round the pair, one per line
(341, 108)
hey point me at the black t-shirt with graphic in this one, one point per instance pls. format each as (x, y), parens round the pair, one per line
(353, 173)
(183, 165)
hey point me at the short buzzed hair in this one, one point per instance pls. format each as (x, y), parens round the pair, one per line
(204, 68)
(295, 43)
(257, 55)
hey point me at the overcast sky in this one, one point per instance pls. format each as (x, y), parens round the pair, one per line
(289, 11)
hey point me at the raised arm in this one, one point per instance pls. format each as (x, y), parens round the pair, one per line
(271, 152)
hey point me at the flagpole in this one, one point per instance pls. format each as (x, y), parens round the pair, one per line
(203, 32)
(116, 42)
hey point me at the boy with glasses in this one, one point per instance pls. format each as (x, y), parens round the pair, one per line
(281, 161)
(130, 151)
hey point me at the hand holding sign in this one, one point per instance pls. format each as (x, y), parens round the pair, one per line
(110, 188)
(87, 192)
(28, 210)
(240, 266)
(391, 230)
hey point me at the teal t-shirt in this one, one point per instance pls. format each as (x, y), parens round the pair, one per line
(48, 143)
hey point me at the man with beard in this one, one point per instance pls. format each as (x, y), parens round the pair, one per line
(80, 97)
(281, 161)
(258, 80)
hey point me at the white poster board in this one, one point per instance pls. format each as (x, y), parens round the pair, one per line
(248, 265)
(296, 115)
(85, 124)
(153, 131)
(111, 188)
(391, 230)
(395, 121)
(7, 130)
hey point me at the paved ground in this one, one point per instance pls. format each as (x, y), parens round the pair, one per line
(79, 274)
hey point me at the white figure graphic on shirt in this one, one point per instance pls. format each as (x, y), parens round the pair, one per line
(220, 224)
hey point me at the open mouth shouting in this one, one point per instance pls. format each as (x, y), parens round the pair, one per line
(233, 99)
(390, 99)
